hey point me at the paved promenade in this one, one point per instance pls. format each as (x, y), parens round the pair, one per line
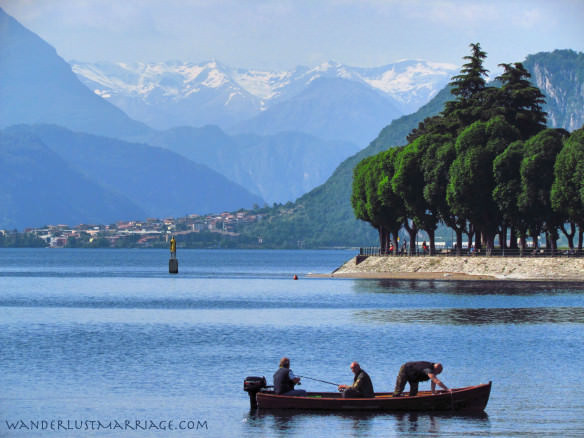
(465, 268)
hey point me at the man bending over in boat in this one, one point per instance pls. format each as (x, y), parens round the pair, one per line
(361, 387)
(415, 372)
(284, 380)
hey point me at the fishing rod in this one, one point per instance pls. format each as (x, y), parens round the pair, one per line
(318, 380)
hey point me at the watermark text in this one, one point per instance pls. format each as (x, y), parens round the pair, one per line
(105, 425)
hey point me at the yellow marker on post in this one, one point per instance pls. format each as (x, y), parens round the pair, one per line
(173, 262)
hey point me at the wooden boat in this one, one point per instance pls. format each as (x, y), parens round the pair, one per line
(467, 399)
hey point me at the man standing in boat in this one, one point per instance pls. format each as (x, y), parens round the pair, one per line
(361, 387)
(284, 380)
(415, 372)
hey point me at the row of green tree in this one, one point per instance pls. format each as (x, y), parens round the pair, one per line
(485, 166)
(14, 239)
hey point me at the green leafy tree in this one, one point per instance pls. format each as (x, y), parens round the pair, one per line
(472, 94)
(568, 186)
(520, 102)
(471, 179)
(359, 193)
(420, 181)
(537, 177)
(439, 157)
(392, 202)
(371, 202)
(471, 80)
(15, 239)
(507, 188)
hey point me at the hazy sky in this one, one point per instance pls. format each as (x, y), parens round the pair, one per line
(281, 34)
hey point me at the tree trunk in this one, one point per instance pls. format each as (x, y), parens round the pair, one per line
(580, 238)
(470, 235)
(512, 238)
(522, 243)
(478, 240)
(432, 236)
(503, 237)
(535, 239)
(569, 235)
(382, 240)
(412, 231)
(554, 235)
(489, 243)
(458, 241)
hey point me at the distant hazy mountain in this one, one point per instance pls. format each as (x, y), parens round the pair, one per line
(38, 187)
(332, 108)
(279, 167)
(167, 95)
(36, 85)
(86, 178)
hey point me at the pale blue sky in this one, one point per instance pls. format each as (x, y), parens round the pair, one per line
(281, 34)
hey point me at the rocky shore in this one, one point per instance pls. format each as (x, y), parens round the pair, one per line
(464, 268)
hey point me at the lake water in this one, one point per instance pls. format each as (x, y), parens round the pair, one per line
(91, 339)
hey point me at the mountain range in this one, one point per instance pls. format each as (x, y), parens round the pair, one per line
(75, 157)
(38, 87)
(330, 101)
(278, 168)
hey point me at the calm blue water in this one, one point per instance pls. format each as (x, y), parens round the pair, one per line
(108, 336)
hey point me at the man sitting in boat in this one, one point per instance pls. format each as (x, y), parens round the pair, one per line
(415, 372)
(284, 380)
(361, 387)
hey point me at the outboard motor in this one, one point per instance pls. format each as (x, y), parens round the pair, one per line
(252, 385)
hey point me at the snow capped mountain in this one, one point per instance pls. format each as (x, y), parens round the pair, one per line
(170, 94)
(413, 83)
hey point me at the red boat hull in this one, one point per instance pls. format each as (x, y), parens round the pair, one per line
(468, 399)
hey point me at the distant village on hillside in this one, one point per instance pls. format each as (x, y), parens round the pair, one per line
(148, 233)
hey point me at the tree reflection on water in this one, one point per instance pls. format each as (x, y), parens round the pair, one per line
(475, 316)
(467, 287)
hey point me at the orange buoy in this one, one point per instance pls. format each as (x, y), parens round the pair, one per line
(295, 277)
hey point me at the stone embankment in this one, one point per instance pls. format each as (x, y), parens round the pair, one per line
(464, 268)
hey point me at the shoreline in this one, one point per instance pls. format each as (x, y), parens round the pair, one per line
(463, 268)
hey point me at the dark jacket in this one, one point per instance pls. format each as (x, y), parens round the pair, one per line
(362, 384)
(282, 381)
(417, 371)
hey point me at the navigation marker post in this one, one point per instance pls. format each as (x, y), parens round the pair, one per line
(173, 262)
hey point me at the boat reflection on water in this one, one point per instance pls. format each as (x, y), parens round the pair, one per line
(274, 422)
(419, 422)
